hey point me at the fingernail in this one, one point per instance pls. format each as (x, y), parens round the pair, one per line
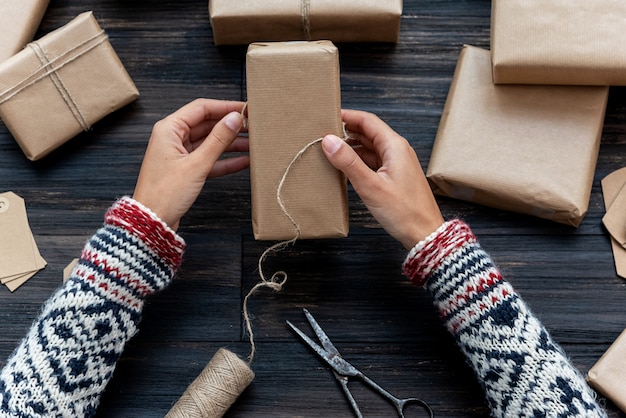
(233, 121)
(331, 143)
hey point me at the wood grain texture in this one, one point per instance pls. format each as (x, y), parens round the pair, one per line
(353, 286)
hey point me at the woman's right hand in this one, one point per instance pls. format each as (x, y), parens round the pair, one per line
(386, 174)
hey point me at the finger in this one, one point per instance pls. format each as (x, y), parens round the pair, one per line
(240, 144)
(366, 125)
(370, 158)
(229, 166)
(345, 159)
(221, 137)
(201, 110)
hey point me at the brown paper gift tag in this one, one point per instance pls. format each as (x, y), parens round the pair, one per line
(608, 375)
(528, 149)
(294, 99)
(19, 256)
(67, 271)
(245, 21)
(614, 193)
(573, 42)
(19, 21)
(61, 85)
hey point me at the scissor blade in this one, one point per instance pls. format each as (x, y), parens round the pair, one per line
(335, 361)
(321, 335)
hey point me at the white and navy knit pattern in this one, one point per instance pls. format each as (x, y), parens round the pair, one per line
(63, 365)
(523, 371)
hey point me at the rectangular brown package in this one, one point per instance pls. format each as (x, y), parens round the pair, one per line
(61, 85)
(572, 42)
(608, 375)
(294, 98)
(19, 20)
(247, 21)
(528, 149)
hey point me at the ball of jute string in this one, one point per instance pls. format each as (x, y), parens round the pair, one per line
(216, 388)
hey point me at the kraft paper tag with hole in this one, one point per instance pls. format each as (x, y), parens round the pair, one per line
(19, 256)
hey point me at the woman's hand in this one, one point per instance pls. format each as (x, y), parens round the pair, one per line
(184, 151)
(385, 172)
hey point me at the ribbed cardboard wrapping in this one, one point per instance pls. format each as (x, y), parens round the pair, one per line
(528, 149)
(247, 21)
(61, 85)
(294, 98)
(571, 42)
(19, 20)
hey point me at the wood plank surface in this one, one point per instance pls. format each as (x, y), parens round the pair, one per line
(353, 286)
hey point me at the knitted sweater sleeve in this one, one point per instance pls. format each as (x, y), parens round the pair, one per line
(522, 370)
(68, 356)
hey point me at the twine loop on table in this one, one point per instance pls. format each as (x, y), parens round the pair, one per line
(50, 68)
(279, 278)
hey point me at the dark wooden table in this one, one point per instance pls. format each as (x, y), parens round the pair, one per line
(381, 323)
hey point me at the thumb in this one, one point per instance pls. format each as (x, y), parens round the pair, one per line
(221, 136)
(345, 159)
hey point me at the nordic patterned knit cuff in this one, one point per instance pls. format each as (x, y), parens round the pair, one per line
(141, 222)
(429, 254)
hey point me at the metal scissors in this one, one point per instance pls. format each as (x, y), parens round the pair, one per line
(343, 370)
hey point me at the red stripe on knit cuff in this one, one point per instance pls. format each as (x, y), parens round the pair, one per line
(140, 221)
(427, 256)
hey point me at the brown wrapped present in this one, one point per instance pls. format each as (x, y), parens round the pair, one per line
(19, 21)
(573, 42)
(61, 85)
(608, 375)
(247, 21)
(294, 99)
(528, 149)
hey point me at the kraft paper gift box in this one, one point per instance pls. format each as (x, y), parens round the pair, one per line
(61, 85)
(294, 99)
(19, 20)
(247, 21)
(573, 42)
(608, 375)
(528, 149)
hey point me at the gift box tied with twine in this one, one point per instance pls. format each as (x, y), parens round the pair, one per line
(61, 85)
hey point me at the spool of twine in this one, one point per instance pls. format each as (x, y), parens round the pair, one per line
(215, 389)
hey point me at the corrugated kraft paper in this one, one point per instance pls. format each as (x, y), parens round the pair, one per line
(61, 85)
(608, 375)
(19, 20)
(294, 99)
(573, 42)
(527, 149)
(247, 21)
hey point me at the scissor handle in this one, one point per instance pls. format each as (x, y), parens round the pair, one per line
(402, 403)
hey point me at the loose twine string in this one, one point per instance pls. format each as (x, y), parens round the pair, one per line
(226, 376)
(279, 278)
(306, 20)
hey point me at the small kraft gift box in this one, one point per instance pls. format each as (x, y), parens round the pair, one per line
(247, 21)
(572, 42)
(61, 85)
(19, 21)
(294, 100)
(524, 148)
